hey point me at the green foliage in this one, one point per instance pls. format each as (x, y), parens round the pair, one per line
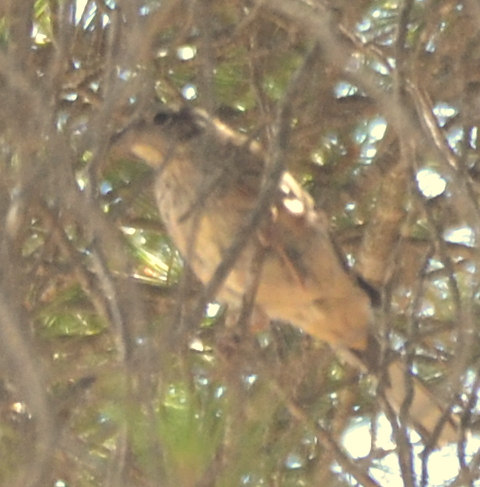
(95, 288)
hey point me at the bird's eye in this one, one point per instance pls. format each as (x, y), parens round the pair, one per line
(161, 118)
(182, 123)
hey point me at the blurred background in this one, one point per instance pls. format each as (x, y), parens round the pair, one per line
(102, 380)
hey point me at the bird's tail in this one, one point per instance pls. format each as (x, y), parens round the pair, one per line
(406, 395)
(424, 410)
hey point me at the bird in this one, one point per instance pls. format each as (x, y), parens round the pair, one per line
(207, 181)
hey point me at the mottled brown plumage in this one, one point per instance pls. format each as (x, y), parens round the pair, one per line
(208, 178)
(208, 182)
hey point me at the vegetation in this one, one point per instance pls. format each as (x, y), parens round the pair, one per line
(103, 379)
